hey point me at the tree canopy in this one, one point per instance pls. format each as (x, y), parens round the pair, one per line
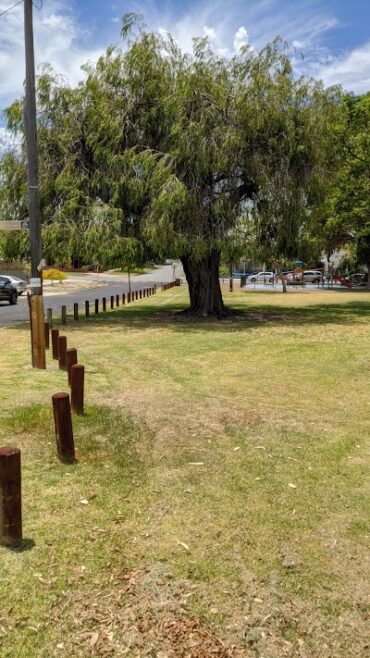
(167, 151)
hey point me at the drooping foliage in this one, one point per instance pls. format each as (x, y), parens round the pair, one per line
(160, 151)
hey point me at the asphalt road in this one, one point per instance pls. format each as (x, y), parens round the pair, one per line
(109, 285)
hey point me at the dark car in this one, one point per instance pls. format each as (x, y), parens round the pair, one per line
(8, 291)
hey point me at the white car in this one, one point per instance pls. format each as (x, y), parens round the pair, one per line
(19, 284)
(312, 276)
(261, 277)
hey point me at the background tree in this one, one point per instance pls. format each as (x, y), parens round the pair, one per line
(352, 198)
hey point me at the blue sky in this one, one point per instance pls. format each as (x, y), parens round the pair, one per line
(333, 35)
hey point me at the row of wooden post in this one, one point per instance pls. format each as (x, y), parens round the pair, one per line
(10, 458)
(62, 402)
(114, 302)
(167, 286)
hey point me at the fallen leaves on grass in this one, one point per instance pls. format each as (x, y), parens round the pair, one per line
(140, 612)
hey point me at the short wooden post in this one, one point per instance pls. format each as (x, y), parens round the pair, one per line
(75, 311)
(54, 342)
(144, 292)
(77, 388)
(87, 309)
(123, 299)
(47, 335)
(62, 348)
(71, 359)
(136, 294)
(49, 317)
(96, 307)
(64, 315)
(112, 301)
(63, 428)
(128, 297)
(140, 294)
(117, 301)
(104, 302)
(10, 497)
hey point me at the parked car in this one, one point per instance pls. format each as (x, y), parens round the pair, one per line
(168, 261)
(312, 276)
(17, 283)
(308, 276)
(8, 291)
(359, 279)
(261, 277)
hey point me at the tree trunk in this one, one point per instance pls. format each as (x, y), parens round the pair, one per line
(368, 277)
(204, 286)
(231, 278)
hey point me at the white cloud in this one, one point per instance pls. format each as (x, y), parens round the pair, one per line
(352, 70)
(241, 38)
(58, 41)
(210, 33)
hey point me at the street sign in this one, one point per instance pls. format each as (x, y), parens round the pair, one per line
(14, 226)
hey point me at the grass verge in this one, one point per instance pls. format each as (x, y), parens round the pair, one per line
(220, 502)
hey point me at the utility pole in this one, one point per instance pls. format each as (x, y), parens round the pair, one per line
(36, 298)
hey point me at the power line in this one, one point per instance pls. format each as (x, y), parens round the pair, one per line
(12, 7)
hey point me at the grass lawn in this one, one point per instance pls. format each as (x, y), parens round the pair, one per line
(134, 272)
(220, 503)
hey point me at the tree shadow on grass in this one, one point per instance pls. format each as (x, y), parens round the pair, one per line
(246, 317)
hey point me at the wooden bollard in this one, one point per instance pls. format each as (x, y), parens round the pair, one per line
(63, 428)
(136, 294)
(128, 297)
(117, 301)
(123, 299)
(87, 309)
(77, 388)
(54, 342)
(47, 336)
(10, 497)
(140, 294)
(144, 292)
(62, 348)
(75, 311)
(104, 302)
(64, 315)
(49, 317)
(112, 301)
(96, 307)
(71, 359)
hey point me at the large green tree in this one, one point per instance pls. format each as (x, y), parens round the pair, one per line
(176, 147)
